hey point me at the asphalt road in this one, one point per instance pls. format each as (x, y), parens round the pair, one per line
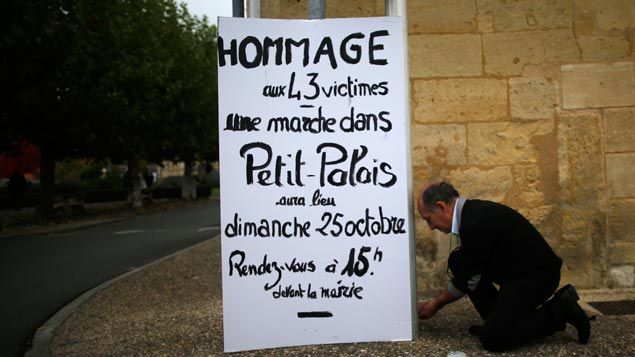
(40, 274)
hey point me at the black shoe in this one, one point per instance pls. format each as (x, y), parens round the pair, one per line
(573, 313)
(476, 330)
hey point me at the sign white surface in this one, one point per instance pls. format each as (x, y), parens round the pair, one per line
(314, 190)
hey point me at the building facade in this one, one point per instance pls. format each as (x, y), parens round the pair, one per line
(530, 103)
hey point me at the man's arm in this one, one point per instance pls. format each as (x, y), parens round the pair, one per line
(429, 308)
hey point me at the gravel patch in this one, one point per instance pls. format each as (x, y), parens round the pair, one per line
(174, 308)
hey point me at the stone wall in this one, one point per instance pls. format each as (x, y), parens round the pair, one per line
(530, 103)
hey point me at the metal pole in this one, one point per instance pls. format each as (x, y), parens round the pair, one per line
(254, 9)
(396, 8)
(399, 8)
(317, 9)
(238, 9)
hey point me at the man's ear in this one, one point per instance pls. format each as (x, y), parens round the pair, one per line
(441, 205)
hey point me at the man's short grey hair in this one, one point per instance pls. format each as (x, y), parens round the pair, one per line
(439, 191)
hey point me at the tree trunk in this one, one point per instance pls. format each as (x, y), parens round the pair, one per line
(47, 182)
(135, 199)
(188, 189)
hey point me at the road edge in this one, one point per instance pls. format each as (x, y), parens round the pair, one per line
(65, 228)
(77, 225)
(44, 334)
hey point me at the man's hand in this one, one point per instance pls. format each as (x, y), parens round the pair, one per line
(427, 309)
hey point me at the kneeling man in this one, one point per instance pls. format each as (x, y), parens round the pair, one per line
(497, 245)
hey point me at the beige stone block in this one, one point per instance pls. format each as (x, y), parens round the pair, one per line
(584, 240)
(431, 275)
(608, 14)
(484, 183)
(441, 16)
(354, 8)
(622, 220)
(506, 143)
(623, 253)
(507, 53)
(532, 98)
(537, 183)
(485, 22)
(616, 15)
(584, 24)
(619, 131)
(299, 9)
(432, 250)
(620, 174)
(579, 267)
(551, 72)
(529, 181)
(420, 175)
(284, 9)
(598, 85)
(445, 244)
(434, 143)
(459, 100)
(425, 243)
(445, 56)
(580, 169)
(543, 218)
(581, 224)
(435, 169)
(430, 284)
(622, 276)
(604, 48)
(527, 14)
(536, 215)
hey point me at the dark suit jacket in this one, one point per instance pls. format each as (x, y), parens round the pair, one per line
(498, 243)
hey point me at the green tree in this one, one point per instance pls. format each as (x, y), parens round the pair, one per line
(128, 55)
(120, 79)
(193, 130)
(36, 104)
(157, 98)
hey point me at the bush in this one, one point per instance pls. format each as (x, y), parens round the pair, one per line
(70, 187)
(210, 179)
(169, 182)
(92, 172)
(113, 179)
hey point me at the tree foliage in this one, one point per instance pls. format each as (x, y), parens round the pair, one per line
(34, 102)
(118, 79)
(193, 93)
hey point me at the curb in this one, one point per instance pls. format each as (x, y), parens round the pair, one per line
(44, 334)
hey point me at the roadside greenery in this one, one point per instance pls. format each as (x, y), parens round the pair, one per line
(119, 80)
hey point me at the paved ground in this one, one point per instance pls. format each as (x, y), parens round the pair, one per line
(174, 308)
(52, 265)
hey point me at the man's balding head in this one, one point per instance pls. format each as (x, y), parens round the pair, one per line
(436, 205)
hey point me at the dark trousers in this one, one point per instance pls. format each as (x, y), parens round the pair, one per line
(519, 312)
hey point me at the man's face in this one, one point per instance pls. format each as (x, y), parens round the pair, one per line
(438, 218)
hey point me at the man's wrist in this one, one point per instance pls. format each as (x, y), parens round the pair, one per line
(438, 303)
(456, 293)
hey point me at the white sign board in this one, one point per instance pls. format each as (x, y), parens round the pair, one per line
(315, 215)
